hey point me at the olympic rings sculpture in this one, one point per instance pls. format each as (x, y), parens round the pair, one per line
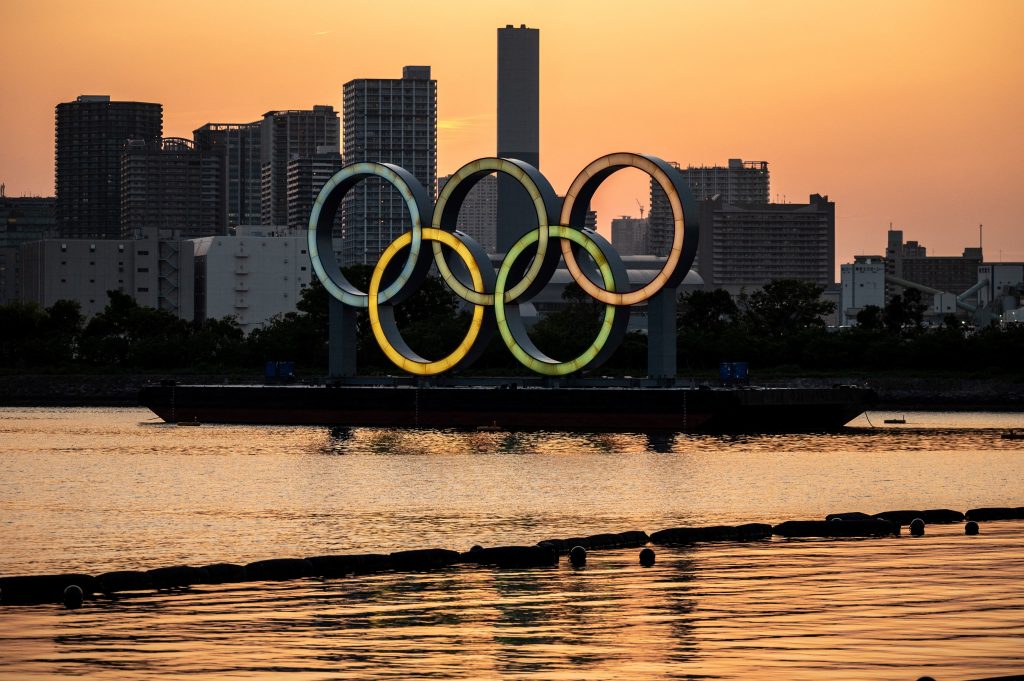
(463, 264)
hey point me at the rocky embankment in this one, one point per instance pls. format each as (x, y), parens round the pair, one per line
(79, 390)
(933, 393)
(943, 393)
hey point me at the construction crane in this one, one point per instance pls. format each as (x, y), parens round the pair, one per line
(640, 206)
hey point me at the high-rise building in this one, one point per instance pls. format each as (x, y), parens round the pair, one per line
(477, 216)
(306, 177)
(287, 135)
(746, 245)
(387, 120)
(740, 181)
(22, 219)
(231, 171)
(518, 126)
(629, 235)
(90, 135)
(162, 190)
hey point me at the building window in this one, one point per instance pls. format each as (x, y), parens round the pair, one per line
(63, 248)
(142, 269)
(303, 269)
(143, 253)
(92, 248)
(143, 289)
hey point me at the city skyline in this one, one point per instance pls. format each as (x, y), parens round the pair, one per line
(901, 114)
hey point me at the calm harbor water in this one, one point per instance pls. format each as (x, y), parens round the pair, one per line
(100, 489)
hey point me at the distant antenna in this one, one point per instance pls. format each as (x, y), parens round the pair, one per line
(890, 225)
(640, 206)
(981, 235)
(3, 190)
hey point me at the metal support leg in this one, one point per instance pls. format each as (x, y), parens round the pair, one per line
(661, 334)
(341, 344)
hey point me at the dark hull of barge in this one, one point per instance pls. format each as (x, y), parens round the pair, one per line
(512, 407)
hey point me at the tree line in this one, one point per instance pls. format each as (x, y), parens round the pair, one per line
(777, 328)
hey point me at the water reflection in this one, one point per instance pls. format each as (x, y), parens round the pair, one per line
(96, 490)
(945, 605)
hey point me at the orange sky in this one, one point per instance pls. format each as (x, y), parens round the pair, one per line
(909, 112)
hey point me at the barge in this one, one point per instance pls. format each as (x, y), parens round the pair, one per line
(513, 406)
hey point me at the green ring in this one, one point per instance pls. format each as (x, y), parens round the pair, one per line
(533, 359)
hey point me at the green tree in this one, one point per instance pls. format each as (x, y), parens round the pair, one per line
(126, 334)
(565, 333)
(904, 313)
(870, 318)
(706, 310)
(20, 331)
(785, 306)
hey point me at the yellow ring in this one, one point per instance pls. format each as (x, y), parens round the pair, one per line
(417, 365)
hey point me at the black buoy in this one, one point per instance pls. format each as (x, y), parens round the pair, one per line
(578, 556)
(917, 527)
(73, 597)
(971, 528)
(647, 557)
(475, 547)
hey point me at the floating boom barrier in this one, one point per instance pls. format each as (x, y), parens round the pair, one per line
(38, 589)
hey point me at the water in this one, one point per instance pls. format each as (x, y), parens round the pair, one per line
(100, 489)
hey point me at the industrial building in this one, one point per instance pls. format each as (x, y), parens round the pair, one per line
(91, 133)
(154, 272)
(387, 120)
(910, 260)
(862, 283)
(251, 277)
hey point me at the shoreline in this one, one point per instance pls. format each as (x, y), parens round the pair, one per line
(894, 393)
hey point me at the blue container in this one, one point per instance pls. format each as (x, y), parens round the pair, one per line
(734, 372)
(725, 372)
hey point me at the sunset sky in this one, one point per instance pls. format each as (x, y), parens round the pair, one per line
(902, 112)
